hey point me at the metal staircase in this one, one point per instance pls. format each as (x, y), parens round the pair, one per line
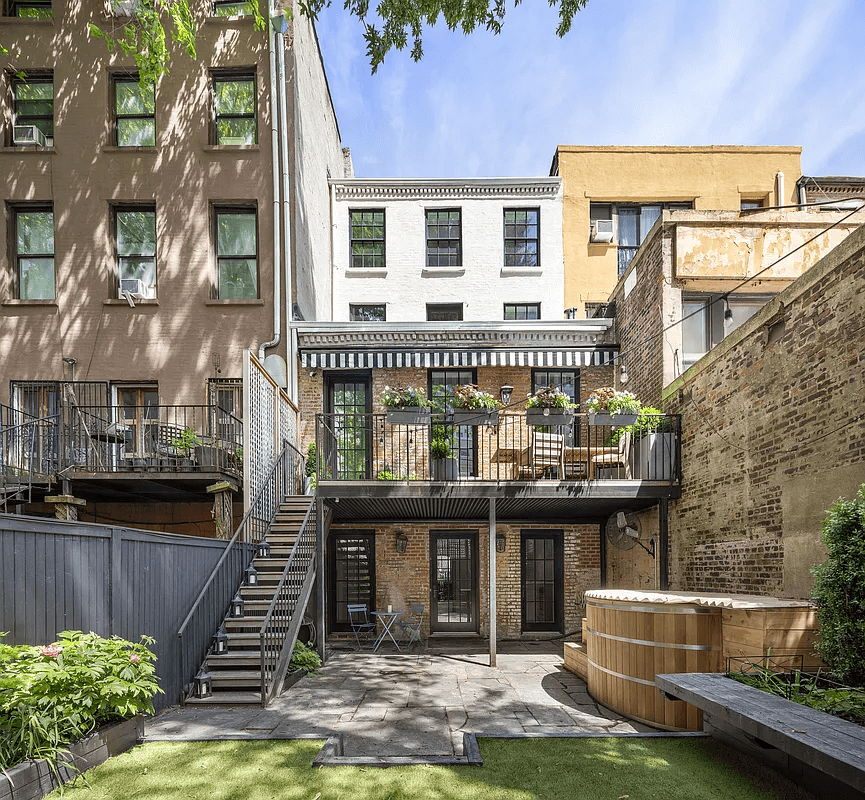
(259, 643)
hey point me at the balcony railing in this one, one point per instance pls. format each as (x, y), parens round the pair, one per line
(28, 447)
(151, 438)
(355, 447)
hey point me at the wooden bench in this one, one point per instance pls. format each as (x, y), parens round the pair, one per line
(826, 753)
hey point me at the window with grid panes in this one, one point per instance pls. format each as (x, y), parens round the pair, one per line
(28, 9)
(518, 311)
(367, 313)
(522, 245)
(33, 97)
(33, 240)
(134, 112)
(135, 245)
(234, 107)
(231, 8)
(367, 239)
(444, 312)
(444, 238)
(236, 238)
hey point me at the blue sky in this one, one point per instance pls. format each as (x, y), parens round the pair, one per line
(679, 72)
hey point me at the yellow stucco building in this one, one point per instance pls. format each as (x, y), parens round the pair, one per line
(614, 195)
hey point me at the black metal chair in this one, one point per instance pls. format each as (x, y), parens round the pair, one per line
(361, 627)
(411, 627)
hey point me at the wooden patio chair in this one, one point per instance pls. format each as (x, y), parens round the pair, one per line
(622, 457)
(547, 451)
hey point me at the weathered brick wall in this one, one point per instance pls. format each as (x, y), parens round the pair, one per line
(773, 433)
(404, 578)
(638, 319)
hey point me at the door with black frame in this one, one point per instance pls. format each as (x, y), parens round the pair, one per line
(347, 434)
(542, 579)
(442, 383)
(453, 581)
(351, 575)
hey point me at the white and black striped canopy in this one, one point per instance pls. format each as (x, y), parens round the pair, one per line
(431, 359)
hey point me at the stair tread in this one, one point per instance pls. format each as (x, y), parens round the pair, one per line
(223, 698)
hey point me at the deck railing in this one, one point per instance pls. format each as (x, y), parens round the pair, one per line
(355, 447)
(29, 449)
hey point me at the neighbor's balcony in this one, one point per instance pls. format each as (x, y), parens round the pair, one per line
(359, 447)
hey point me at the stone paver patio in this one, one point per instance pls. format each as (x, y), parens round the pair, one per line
(409, 704)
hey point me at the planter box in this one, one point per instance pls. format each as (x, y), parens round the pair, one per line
(444, 469)
(292, 678)
(605, 418)
(34, 779)
(654, 457)
(475, 416)
(549, 416)
(408, 416)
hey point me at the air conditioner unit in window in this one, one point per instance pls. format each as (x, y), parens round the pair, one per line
(602, 231)
(133, 286)
(28, 134)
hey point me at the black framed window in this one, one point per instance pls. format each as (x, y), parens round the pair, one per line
(444, 312)
(231, 8)
(441, 384)
(134, 112)
(33, 243)
(367, 239)
(542, 573)
(28, 9)
(566, 380)
(444, 247)
(347, 439)
(234, 96)
(135, 249)
(351, 556)
(522, 232)
(367, 313)
(635, 222)
(518, 311)
(33, 99)
(225, 397)
(236, 238)
(706, 323)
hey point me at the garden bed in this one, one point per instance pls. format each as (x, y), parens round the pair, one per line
(34, 779)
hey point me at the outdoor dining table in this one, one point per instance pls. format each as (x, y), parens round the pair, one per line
(581, 455)
(387, 619)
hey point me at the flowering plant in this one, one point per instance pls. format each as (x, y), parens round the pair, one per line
(470, 397)
(397, 397)
(612, 401)
(549, 397)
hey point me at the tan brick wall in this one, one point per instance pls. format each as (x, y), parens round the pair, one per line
(404, 578)
(773, 433)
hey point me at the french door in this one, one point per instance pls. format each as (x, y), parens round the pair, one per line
(442, 383)
(351, 557)
(348, 429)
(453, 581)
(542, 567)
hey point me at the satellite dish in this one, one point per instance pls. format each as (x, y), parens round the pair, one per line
(623, 531)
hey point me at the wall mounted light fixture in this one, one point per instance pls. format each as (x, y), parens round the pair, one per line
(401, 542)
(501, 543)
(505, 393)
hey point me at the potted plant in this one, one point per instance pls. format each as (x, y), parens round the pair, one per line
(549, 406)
(184, 446)
(471, 406)
(653, 446)
(443, 465)
(407, 406)
(310, 474)
(610, 407)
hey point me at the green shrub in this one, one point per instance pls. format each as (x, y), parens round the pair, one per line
(839, 591)
(51, 696)
(311, 461)
(305, 658)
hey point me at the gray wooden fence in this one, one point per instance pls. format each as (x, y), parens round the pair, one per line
(57, 576)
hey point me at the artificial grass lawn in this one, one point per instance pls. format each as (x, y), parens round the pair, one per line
(577, 769)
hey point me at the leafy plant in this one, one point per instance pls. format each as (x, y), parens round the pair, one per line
(468, 396)
(311, 460)
(612, 401)
(442, 442)
(305, 658)
(386, 473)
(549, 397)
(187, 440)
(398, 397)
(839, 591)
(649, 420)
(53, 695)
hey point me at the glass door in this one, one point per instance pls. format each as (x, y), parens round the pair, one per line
(442, 383)
(352, 575)
(542, 559)
(454, 581)
(139, 413)
(348, 426)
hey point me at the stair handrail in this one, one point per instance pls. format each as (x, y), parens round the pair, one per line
(284, 616)
(203, 618)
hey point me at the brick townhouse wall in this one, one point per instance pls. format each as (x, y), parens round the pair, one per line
(773, 433)
(404, 578)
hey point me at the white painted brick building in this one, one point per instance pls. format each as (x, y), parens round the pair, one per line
(410, 250)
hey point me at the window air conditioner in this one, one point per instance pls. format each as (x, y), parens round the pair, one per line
(134, 286)
(28, 134)
(602, 231)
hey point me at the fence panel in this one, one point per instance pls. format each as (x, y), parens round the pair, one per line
(57, 576)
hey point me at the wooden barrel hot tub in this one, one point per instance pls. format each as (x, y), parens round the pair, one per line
(631, 636)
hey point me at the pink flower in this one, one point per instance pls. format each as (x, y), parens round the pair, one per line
(52, 651)
(134, 658)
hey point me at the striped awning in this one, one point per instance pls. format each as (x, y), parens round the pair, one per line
(431, 359)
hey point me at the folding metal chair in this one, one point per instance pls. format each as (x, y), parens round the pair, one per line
(361, 627)
(412, 625)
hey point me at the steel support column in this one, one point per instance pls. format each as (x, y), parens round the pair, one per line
(492, 581)
(663, 544)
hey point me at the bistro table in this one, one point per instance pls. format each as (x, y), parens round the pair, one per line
(387, 619)
(586, 456)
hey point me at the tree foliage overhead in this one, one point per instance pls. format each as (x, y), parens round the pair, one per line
(390, 25)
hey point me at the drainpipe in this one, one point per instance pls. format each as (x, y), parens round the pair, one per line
(274, 142)
(779, 188)
(803, 197)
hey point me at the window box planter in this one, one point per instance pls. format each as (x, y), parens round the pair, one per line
(408, 415)
(475, 416)
(549, 416)
(605, 418)
(34, 779)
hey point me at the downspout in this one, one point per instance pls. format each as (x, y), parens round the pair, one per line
(286, 210)
(274, 143)
(779, 188)
(800, 189)
(332, 191)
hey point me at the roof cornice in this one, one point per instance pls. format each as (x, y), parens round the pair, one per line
(426, 188)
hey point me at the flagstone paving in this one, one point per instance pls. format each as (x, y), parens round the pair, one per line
(396, 704)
